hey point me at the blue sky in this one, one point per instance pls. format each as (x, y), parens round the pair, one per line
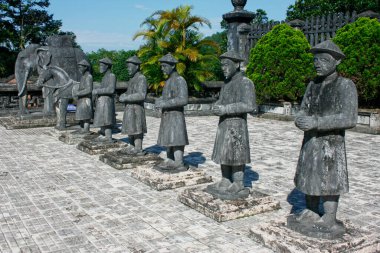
(111, 24)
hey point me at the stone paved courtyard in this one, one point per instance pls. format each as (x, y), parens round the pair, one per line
(55, 198)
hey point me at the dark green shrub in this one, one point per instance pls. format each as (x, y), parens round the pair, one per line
(280, 65)
(118, 58)
(360, 42)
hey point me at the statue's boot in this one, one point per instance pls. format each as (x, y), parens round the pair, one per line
(307, 216)
(328, 221)
(237, 187)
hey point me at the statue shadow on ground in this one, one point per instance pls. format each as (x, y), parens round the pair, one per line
(297, 200)
(250, 176)
(194, 159)
(155, 149)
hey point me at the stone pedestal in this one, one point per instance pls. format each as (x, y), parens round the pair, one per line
(224, 210)
(120, 160)
(94, 147)
(164, 180)
(278, 237)
(34, 120)
(74, 137)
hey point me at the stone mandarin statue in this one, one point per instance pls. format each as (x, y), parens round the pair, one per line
(231, 148)
(105, 107)
(83, 91)
(172, 133)
(134, 122)
(329, 106)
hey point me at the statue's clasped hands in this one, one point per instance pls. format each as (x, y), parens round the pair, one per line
(306, 123)
(158, 104)
(219, 110)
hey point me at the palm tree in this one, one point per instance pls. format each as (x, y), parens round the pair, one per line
(177, 31)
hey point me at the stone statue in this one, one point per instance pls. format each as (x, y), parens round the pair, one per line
(134, 122)
(84, 93)
(57, 82)
(172, 133)
(329, 106)
(231, 148)
(63, 55)
(105, 105)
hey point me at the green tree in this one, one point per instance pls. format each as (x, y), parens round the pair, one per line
(360, 42)
(177, 31)
(260, 17)
(26, 21)
(280, 65)
(118, 58)
(302, 9)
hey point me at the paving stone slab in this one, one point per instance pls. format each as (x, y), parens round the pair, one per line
(120, 160)
(159, 180)
(224, 210)
(93, 147)
(279, 238)
(74, 138)
(34, 121)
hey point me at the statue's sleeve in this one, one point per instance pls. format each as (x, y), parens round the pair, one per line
(88, 84)
(347, 113)
(182, 95)
(111, 87)
(305, 104)
(248, 99)
(140, 95)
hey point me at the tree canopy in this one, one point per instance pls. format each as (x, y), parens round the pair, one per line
(302, 9)
(176, 31)
(24, 22)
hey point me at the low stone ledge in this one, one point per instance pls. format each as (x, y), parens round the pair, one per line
(121, 161)
(73, 138)
(34, 120)
(279, 238)
(167, 180)
(96, 148)
(224, 210)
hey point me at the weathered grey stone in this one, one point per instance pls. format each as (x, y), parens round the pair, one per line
(231, 148)
(278, 237)
(95, 147)
(172, 133)
(329, 107)
(223, 210)
(75, 137)
(34, 120)
(121, 160)
(160, 180)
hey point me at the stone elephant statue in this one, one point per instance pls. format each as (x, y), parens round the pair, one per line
(63, 55)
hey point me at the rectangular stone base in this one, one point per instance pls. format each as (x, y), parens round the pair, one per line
(164, 180)
(121, 161)
(96, 148)
(72, 138)
(34, 120)
(224, 210)
(276, 236)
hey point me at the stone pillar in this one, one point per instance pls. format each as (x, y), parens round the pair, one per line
(238, 22)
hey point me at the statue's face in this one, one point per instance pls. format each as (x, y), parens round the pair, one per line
(132, 68)
(325, 64)
(167, 68)
(229, 68)
(103, 67)
(82, 69)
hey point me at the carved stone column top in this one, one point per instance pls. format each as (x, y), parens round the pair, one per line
(239, 4)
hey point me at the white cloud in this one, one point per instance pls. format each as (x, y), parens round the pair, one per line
(141, 7)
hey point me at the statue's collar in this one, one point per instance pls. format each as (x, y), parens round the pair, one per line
(329, 79)
(236, 76)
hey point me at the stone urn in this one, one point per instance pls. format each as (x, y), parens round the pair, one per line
(239, 4)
